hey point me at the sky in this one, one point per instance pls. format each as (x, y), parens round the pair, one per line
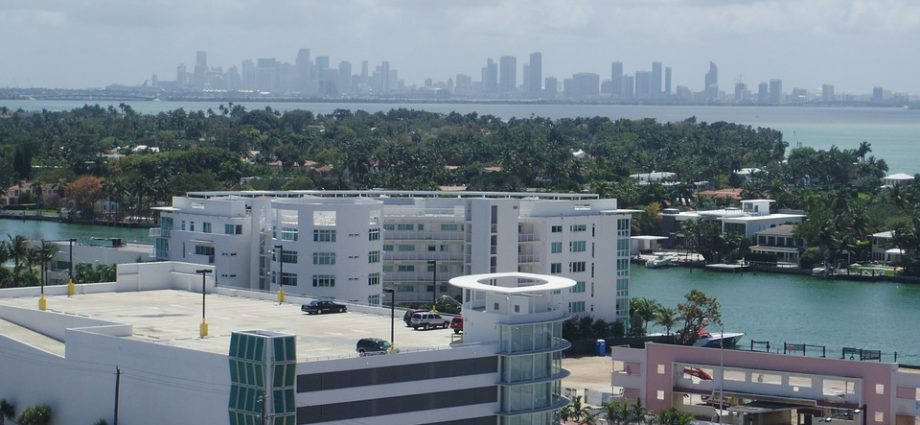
(853, 44)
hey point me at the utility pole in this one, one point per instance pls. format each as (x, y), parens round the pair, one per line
(117, 385)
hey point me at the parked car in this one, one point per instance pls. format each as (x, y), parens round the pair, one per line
(428, 320)
(372, 346)
(408, 316)
(457, 324)
(320, 307)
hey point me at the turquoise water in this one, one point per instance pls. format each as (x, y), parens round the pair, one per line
(49, 230)
(799, 309)
(893, 132)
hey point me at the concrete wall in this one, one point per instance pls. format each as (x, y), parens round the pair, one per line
(150, 277)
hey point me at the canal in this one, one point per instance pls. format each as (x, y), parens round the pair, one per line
(83, 233)
(799, 309)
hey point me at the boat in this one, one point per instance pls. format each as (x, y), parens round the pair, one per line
(712, 340)
(658, 262)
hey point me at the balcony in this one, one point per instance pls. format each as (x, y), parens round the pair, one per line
(528, 258)
(422, 256)
(528, 237)
(406, 235)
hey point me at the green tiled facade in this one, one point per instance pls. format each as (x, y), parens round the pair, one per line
(262, 367)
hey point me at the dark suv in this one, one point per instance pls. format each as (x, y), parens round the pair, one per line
(372, 346)
(408, 316)
(320, 307)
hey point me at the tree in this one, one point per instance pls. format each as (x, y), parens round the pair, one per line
(616, 411)
(83, 194)
(7, 411)
(672, 416)
(698, 311)
(578, 412)
(636, 413)
(642, 311)
(666, 317)
(35, 415)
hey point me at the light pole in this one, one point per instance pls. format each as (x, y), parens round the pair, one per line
(203, 329)
(71, 286)
(721, 369)
(280, 249)
(434, 285)
(42, 303)
(392, 293)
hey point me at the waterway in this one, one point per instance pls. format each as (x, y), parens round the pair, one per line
(83, 233)
(799, 309)
(893, 132)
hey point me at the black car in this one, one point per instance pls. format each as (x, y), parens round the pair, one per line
(320, 307)
(372, 346)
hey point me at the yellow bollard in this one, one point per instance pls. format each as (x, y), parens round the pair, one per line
(203, 329)
(71, 288)
(42, 303)
(281, 296)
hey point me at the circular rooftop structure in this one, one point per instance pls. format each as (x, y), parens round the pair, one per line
(512, 282)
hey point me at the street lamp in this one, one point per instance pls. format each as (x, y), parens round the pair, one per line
(392, 293)
(434, 285)
(203, 329)
(280, 249)
(42, 303)
(71, 286)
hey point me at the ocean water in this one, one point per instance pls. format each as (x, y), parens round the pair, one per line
(893, 132)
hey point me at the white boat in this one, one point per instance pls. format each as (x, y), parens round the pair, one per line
(658, 262)
(712, 340)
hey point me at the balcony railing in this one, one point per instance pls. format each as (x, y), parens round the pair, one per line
(406, 235)
(422, 256)
(528, 237)
(528, 258)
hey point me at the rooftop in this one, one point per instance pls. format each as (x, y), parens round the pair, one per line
(781, 230)
(171, 317)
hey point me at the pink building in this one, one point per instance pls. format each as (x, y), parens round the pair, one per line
(765, 388)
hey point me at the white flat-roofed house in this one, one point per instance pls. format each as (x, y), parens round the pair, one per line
(779, 241)
(897, 179)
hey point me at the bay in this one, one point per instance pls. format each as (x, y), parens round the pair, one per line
(798, 309)
(893, 132)
(83, 233)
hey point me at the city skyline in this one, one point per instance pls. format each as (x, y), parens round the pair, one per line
(806, 45)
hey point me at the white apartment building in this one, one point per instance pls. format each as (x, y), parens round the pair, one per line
(348, 244)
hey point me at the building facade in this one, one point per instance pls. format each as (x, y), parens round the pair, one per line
(348, 245)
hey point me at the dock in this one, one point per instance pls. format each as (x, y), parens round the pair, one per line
(728, 268)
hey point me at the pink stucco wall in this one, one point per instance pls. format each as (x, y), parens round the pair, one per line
(871, 373)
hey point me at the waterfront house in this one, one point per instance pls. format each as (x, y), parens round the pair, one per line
(753, 216)
(778, 241)
(884, 249)
(664, 178)
(898, 179)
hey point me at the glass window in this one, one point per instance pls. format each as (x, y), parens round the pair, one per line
(289, 279)
(323, 258)
(321, 235)
(556, 247)
(373, 279)
(288, 256)
(373, 257)
(579, 287)
(373, 235)
(578, 227)
(577, 267)
(206, 227)
(556, 229)
(324, 280)
(555, 268)
(578, 246)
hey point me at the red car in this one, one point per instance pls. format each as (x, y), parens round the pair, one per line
(457, 324)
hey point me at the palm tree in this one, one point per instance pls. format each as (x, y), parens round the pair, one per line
(578, 412)
(636, 413)
(672, 416)
(615, 411)
(19, 250)
(7, 411)
(666, 317)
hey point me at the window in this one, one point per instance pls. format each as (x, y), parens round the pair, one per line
(373, 257)
(231, 229)
(659, 394)
(577, 246)
(324, 280)
(405, 268)
(555, 268)
(324, 218)
(373, 235)
(578, 227)
(623, 267)
(389, 227)
(373, 279)
(206, 227)
(556, 247)
(320, 235)
(660, 368)
(879, 416)
(577, 266)
(880, 389)
(556, 229)
(183, 225)
(289, 233)
(406, 247)
(289, 279)
(323, 258)
(191, 226)
(387, 247)
(205, 250)
(577, 307)
(449, 227)
(579, 287)
(373, 299)
(288, 256)
(622, 286)
(404, 226)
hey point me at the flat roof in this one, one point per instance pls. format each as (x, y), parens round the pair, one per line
(171, 317)
(536, 282)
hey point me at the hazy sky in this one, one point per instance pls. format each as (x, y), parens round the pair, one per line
(853, 44)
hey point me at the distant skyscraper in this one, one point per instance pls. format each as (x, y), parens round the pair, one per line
(584, 85)
(616, 78)
(667, 80)
(507, 78)
(629, 87)
(655, 87)
(490, 77)
(535, 72)
(740, 89)
(267, 74)
(763, 93)
(776, 91)
(249, 75)
(181, 76)
(322, 64)
(464, 84)
(344, 83)
(551, 87)
(827, 92)
(304, 68)
(643, 84)
(878, 94)
(712, 83)
(201, 68)
(234, 81)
